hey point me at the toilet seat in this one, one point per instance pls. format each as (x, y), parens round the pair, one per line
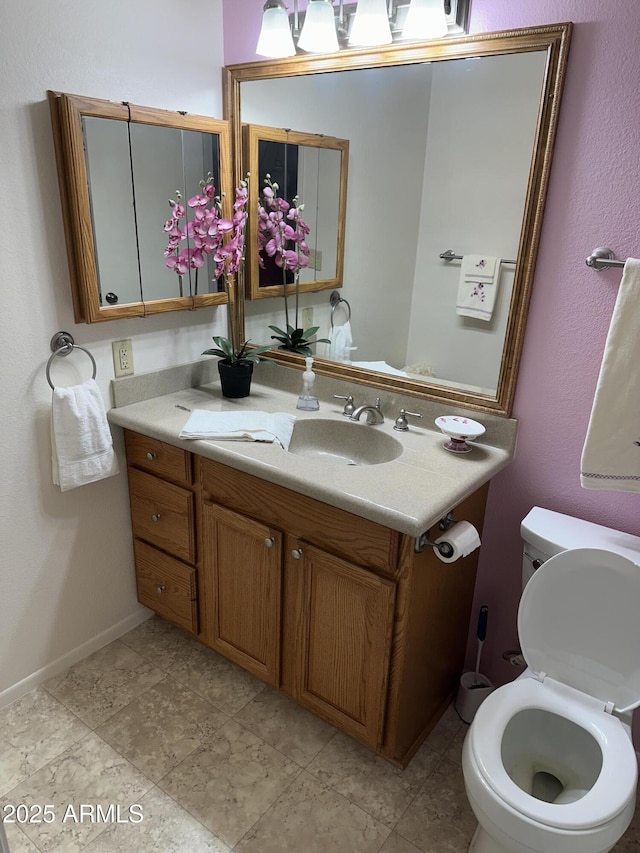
(578, 623)
(616, 783)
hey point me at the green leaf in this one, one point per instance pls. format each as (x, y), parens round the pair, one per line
(214, 352)
(225, 346)
(310, 332)
(279, 331)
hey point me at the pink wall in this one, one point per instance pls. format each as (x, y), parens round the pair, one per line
(593, 200)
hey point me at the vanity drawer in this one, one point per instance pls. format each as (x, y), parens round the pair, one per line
(162, 514)
(357, 539)
(166, 586)
(159, 458)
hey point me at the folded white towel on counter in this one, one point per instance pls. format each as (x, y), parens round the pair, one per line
(274, 427)
(611, 453)
(478, 286)
(341, 341)
(81, 444)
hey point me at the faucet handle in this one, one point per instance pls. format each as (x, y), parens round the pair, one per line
(402, 423)
(349, 408)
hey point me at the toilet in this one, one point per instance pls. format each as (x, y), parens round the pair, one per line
(548, 761)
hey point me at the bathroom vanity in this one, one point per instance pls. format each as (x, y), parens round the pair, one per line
(306, 572)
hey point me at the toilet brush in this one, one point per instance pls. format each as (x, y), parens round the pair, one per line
(481, 634)
(474, 687)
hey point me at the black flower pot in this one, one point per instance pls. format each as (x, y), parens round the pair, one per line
(235, 379)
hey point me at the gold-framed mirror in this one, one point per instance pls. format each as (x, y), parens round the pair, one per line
(311, 168)
(483, 109)
(118, 166)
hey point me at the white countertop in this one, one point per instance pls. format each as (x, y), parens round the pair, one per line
(408, 494)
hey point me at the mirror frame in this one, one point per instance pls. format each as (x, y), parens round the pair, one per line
(554, 39)
(253, 134)
(67, 112)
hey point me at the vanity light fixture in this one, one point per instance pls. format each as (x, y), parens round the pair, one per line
(276, 38)
(332, 25)
(370, 24)
(425, 19)
(319, 29)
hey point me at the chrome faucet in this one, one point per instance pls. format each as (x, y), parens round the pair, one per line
(374, 413)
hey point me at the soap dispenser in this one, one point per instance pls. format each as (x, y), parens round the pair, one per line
(306, 401)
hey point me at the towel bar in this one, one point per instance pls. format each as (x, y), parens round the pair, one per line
(335, 299)
(62, 344)
(603, 259)
(450, 255)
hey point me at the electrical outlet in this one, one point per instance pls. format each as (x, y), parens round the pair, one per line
(315, 259)
(122, 358)
(307, 318)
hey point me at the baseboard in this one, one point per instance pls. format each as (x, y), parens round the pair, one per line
(57, 666)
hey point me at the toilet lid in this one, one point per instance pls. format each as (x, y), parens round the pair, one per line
(579, 622)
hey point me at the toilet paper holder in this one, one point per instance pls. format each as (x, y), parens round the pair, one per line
(444, 548)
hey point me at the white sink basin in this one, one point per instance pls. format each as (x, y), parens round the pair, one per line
(343, 442)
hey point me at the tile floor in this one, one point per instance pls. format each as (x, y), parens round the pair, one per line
(214, 761)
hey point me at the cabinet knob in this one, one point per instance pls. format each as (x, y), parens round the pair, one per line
(155, 517)
(269, 541)
(160, 589)
(297, 553)
(151, 456)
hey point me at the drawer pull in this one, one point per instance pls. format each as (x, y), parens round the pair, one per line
(160, 589)
(151, 456)
(155, 517)
(269, 541)
(297, 553)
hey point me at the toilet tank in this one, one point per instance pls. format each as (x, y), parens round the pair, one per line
(546, 533)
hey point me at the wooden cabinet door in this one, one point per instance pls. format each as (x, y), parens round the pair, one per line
(344, 641)
(242, 588)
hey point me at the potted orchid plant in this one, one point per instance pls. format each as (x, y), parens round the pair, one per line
(282, 236)
(209, 233)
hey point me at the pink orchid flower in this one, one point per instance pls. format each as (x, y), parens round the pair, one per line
(198, 201)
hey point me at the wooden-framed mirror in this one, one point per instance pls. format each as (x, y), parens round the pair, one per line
(450, 149)
(118, 166)
(313, 169)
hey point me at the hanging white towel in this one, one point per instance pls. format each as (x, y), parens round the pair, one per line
(240, 426)
(81, 444)
(478, 286)
(341, 341)
(611, 453)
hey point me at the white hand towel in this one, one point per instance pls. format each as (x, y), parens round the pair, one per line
(240, 426)
(81, 444)
(478, 286)
(341, 341)
(380, 367)
(611, 453)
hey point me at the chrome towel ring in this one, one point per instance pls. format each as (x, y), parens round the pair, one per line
(335, 300)
(62, 344)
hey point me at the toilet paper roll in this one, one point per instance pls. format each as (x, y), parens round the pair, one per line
(462, 538)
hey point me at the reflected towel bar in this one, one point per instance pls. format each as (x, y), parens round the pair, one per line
(603, 259)
(450, 255)
(62, 344)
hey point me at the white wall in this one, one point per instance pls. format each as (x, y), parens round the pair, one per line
(479, 207)
(66, 574)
